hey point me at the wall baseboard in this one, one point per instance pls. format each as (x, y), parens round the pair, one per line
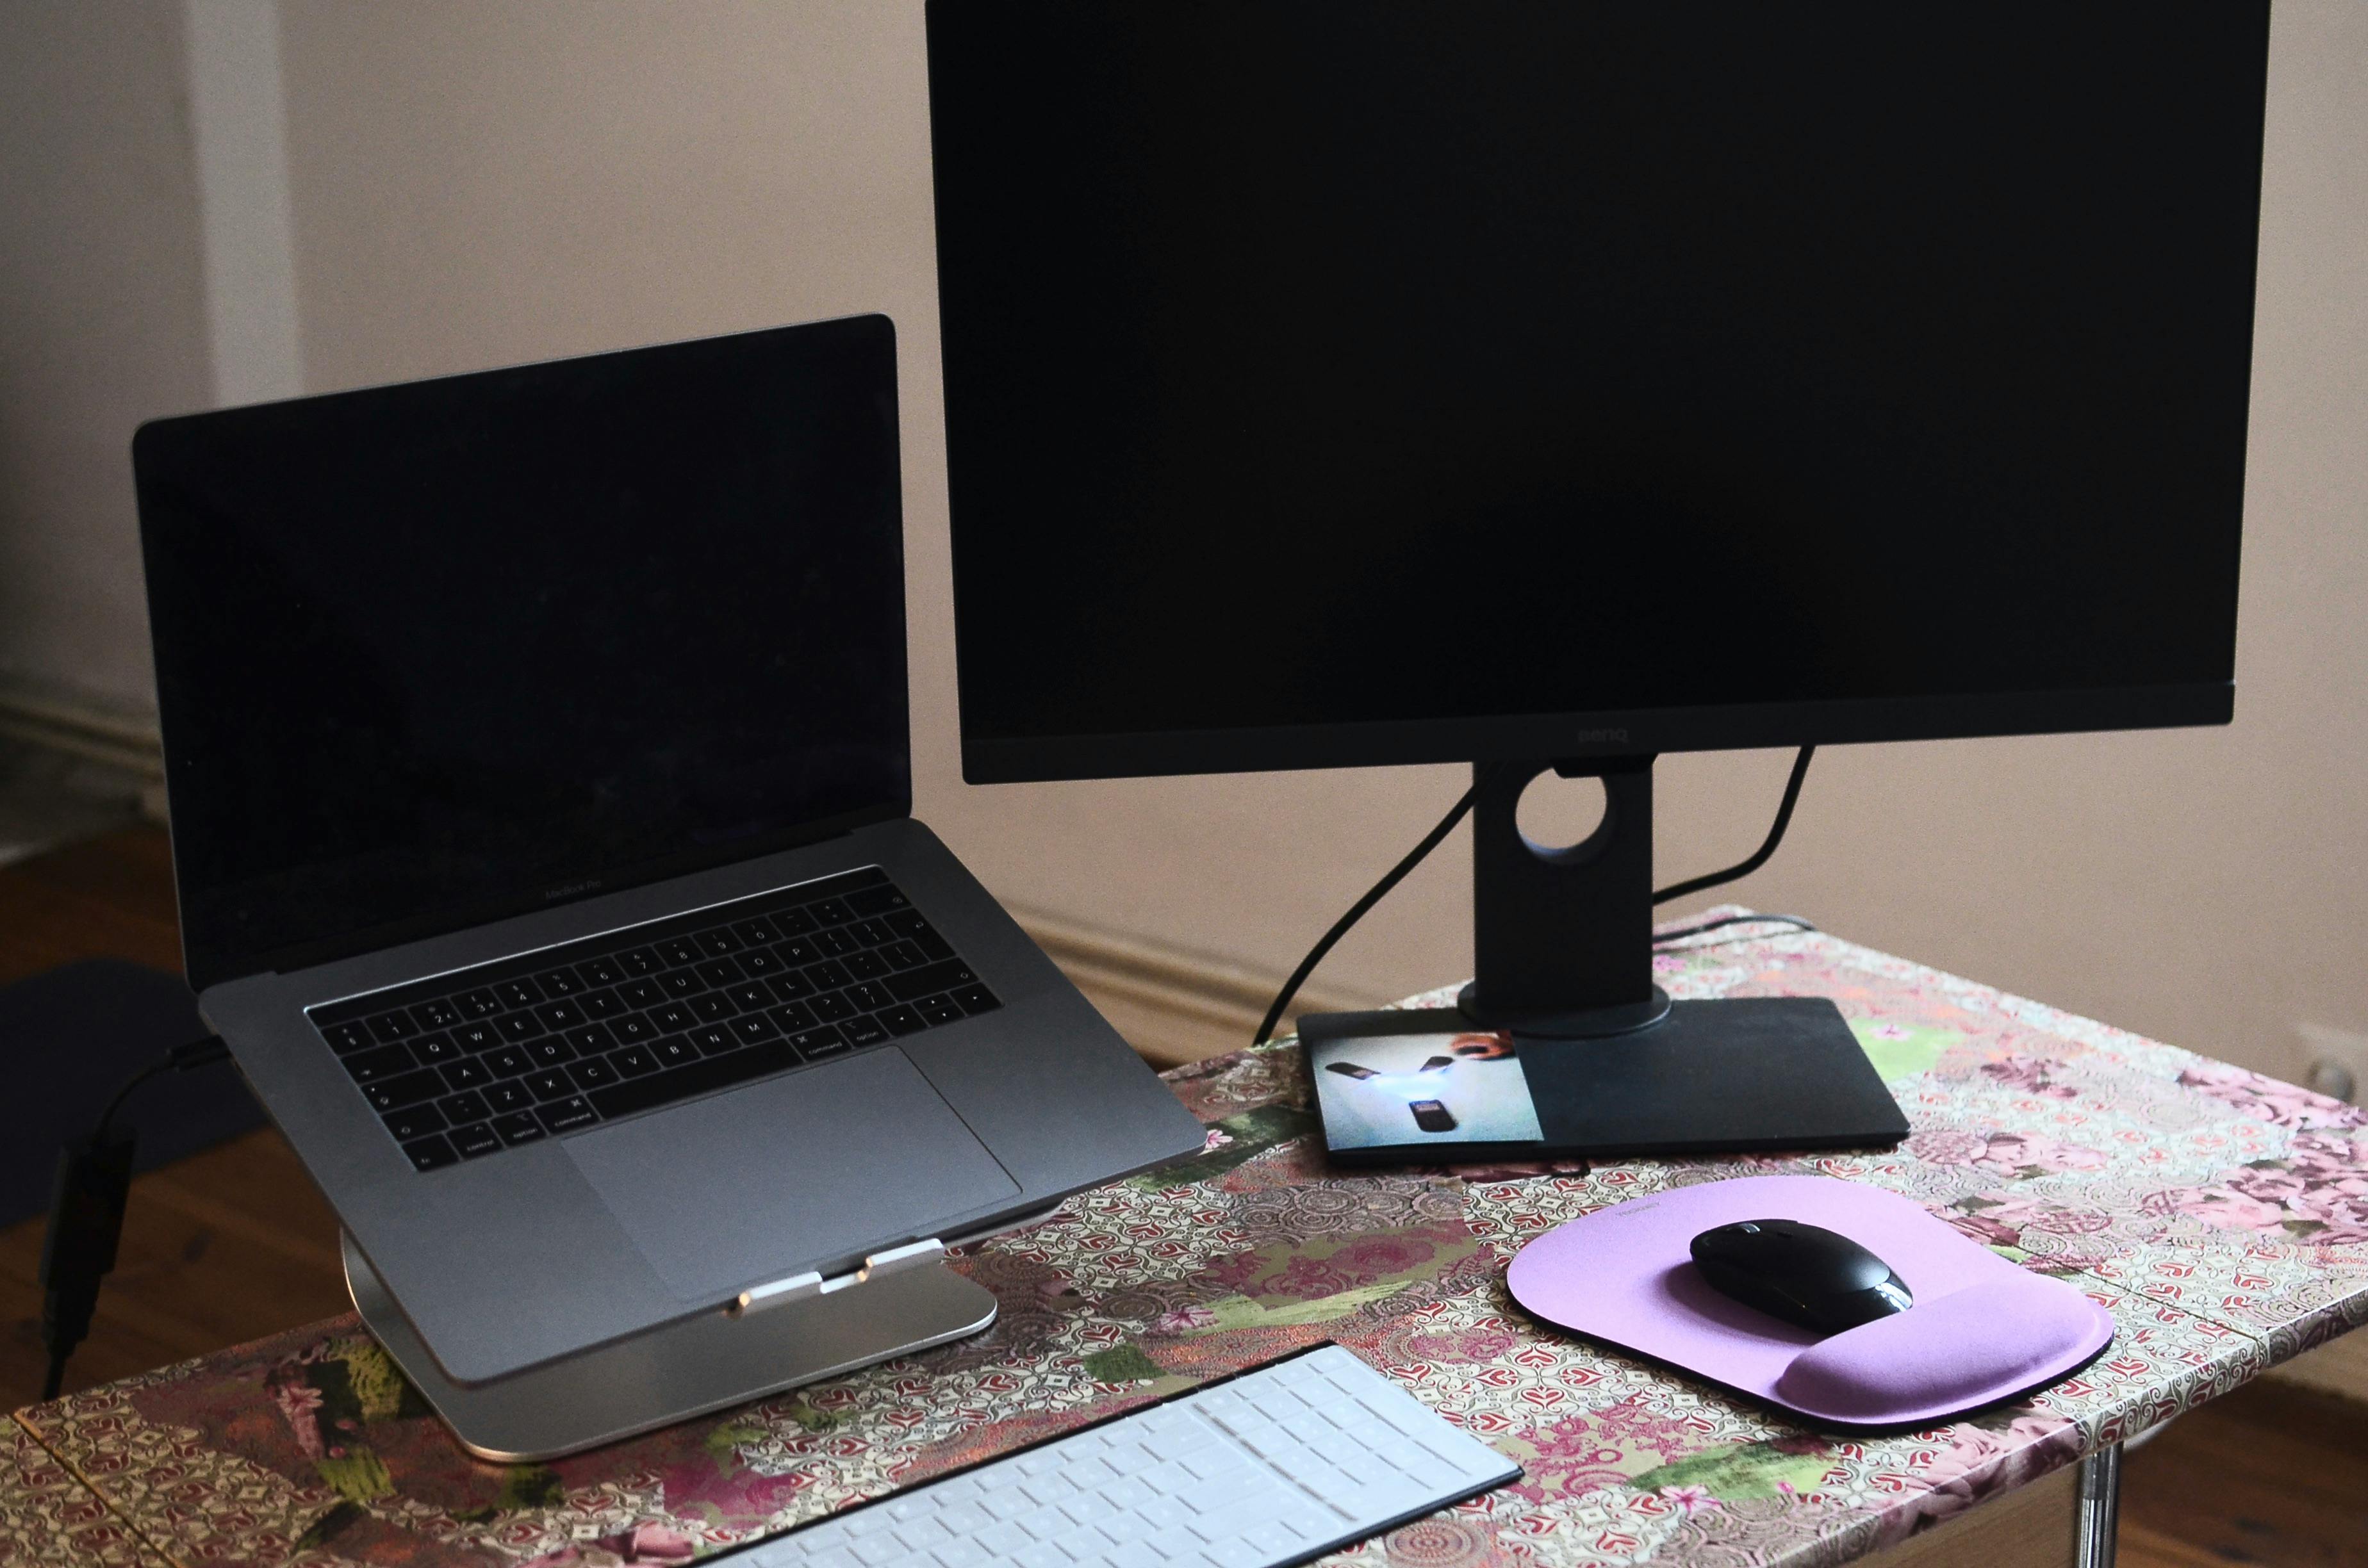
(79, 727)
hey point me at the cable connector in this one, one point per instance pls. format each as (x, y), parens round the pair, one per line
(86, 1223)
(87, 1214)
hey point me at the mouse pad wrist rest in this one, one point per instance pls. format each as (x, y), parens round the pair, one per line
(1982, 1329)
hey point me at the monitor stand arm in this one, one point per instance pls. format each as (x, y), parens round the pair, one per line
(1563, 938)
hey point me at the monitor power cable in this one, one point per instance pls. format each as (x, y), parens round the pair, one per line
(87, 1214)
(1462, 807)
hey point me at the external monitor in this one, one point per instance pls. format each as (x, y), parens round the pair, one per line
(1539, 385)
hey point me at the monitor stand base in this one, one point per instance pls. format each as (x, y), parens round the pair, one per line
(1585, 1023)
(681, 1370)
(1756, 1074)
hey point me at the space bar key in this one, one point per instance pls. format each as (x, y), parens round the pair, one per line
(698, 1078)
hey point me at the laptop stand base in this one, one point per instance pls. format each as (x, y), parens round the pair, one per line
(678, 1371)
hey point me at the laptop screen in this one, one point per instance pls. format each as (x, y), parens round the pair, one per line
(434, 654)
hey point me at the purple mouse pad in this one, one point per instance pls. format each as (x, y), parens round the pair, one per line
(1982, 1329)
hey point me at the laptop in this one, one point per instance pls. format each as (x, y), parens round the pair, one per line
(536, 741)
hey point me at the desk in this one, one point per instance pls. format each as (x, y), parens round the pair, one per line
(2220, 1216)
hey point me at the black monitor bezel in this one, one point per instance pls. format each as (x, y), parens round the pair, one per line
(991, 759)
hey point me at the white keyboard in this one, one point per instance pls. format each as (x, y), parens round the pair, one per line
(1275, 1466)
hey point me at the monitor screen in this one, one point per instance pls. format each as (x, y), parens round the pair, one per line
(1381, 381)
(430, 653)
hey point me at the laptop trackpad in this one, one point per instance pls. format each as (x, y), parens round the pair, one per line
(773, 1178)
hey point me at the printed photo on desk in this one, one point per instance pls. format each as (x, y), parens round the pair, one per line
(1396, 1094)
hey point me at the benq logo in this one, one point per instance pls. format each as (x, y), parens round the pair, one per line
(1593, 737)
(570, 889)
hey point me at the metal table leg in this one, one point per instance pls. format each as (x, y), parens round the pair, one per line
(2100, 1508)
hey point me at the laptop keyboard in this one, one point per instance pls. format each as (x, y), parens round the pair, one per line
(506, 1053)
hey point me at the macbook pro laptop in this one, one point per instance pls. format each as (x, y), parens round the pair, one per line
(537, 748)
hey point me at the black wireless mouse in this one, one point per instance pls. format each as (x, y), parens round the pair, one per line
(1806, 1274)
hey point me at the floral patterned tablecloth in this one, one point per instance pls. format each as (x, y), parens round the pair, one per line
(2222, 1217)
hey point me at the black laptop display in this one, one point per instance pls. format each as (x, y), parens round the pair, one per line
(504, 640)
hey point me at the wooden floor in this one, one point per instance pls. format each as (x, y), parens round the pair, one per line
(234, 1243)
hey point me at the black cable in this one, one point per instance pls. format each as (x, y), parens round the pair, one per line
(1357, 911)
(1775, 837)
(1793, 920)
(87, 1214)
(1456, 815)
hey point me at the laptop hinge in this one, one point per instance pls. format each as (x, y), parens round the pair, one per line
(799, 1287)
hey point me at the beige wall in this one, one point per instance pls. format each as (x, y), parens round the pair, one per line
(101, 326)
(475, 182)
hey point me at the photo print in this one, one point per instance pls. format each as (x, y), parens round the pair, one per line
(1414, 1091)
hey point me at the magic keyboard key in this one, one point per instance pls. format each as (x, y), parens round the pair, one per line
(346, 1036)
(517, 993)
(417, 1121)
(478, 1004)
(568, 1115)
(862, 1029)
(592, 1072)
(432, 1049)
(395, 1094)
(458, 1109)
(914, 984)
(430, 1153)
(824, 1041)
(600, 972)
(475, 1037)
(519, 1127)
(438, 1015)
(507, 1061)
(467, 1073)
(475, 1140)
(559, 983)
(975, 998)
(380, 1062)
(505, 1097)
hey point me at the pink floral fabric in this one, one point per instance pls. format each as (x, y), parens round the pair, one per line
(2220, 1216)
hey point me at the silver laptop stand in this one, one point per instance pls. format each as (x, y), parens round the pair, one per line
(799, 1331)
